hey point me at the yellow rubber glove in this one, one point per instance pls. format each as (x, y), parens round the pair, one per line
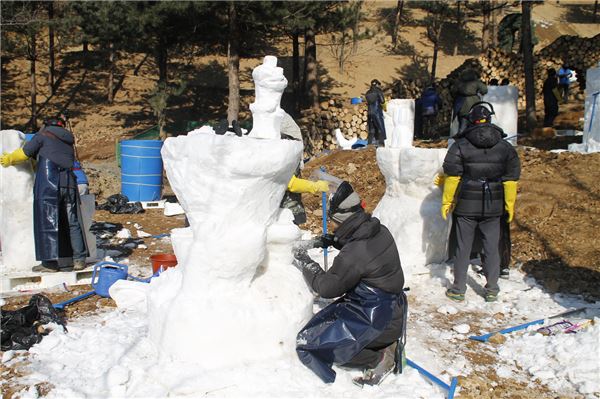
(439, 179)
(450, 186)
(384, 105)
(510, 196)
(15, 157)
(297, 185)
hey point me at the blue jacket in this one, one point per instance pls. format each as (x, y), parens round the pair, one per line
(564, 74)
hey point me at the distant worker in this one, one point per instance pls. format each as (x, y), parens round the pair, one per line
(466, 92)
(58, 230)
(551, 97)
(375, 106)
(487, 169)
(365, 327)
(430, 102)
(564, 81)
(292, 199)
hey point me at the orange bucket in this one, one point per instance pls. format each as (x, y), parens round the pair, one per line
(161, 262)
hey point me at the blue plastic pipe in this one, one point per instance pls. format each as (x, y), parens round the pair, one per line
(450, 388)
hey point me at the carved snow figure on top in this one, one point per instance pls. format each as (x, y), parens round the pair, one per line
(266, 112)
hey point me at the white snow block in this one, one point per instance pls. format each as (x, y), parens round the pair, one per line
(266, 112)
(129, 295)
(399, 120)
(16, 209)
(410, 207)
(505, 99)
(342, 141)
(228, 302)
(591, 128)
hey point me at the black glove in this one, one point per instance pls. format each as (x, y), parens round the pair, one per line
(325, 241)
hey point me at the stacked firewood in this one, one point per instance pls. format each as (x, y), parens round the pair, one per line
(319, 127)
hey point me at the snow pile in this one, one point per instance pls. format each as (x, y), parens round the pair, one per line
(560, 361)
(16, 204)
(410, 207)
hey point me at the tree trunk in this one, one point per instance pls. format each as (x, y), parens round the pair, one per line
(458, 25)
(494, 26)
(485, 35)
(355, 26)
(311, 69)
(32, 59)
(596, 11)
(434, 61)
(342, 53)
(397, 22)
(296, 68)
(51, 47)
(527, 47)
(162, 57)
(233, 61)
(111, 71)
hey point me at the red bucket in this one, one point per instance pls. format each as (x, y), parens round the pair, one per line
(161, 262)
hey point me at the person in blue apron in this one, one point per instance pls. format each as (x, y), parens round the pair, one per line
(480, 189)
(375, 107)
(58, 231)
(362, 328)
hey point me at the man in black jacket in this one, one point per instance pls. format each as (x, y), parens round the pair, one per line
(358, 330)
(487, 169)
(375, 107)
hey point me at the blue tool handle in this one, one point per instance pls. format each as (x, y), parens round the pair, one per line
(324, 212)
(427, 374)
(61, 305)
(141, 280)
(485, 337)
(452, 389)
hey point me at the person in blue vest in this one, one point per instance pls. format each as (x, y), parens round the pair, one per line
(365, 327)
(431, 102)
(58, 231)
(564, 81)
(375, 107)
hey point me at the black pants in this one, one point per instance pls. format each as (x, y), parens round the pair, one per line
(376, 126)
(550, 112)
(489, 227)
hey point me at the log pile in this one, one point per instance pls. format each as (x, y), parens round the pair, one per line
(318, 127)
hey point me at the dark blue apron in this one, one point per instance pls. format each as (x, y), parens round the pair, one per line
(340, 331)
(51, 231)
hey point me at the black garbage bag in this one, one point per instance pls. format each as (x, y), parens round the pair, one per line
(119, 203)
(23, 328)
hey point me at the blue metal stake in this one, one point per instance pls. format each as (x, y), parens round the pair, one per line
(450, 388)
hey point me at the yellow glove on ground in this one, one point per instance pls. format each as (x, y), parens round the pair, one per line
(450, 186)
(297, 185)
(510, 196)
(15, 157)
(439, 179)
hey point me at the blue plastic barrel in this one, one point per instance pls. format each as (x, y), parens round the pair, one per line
(355, 100)
(141, 169)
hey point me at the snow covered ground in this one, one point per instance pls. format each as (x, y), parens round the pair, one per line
(109, 354)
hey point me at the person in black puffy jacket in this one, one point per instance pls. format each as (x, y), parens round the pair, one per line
(481, 184)
(375, 107)
(369, 316)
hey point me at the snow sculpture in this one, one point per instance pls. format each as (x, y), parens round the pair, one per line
(16, 209)
(591, 125)
(399, 122)
(234, 296)
(266, 112)
(504, 99)
(410, 207)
